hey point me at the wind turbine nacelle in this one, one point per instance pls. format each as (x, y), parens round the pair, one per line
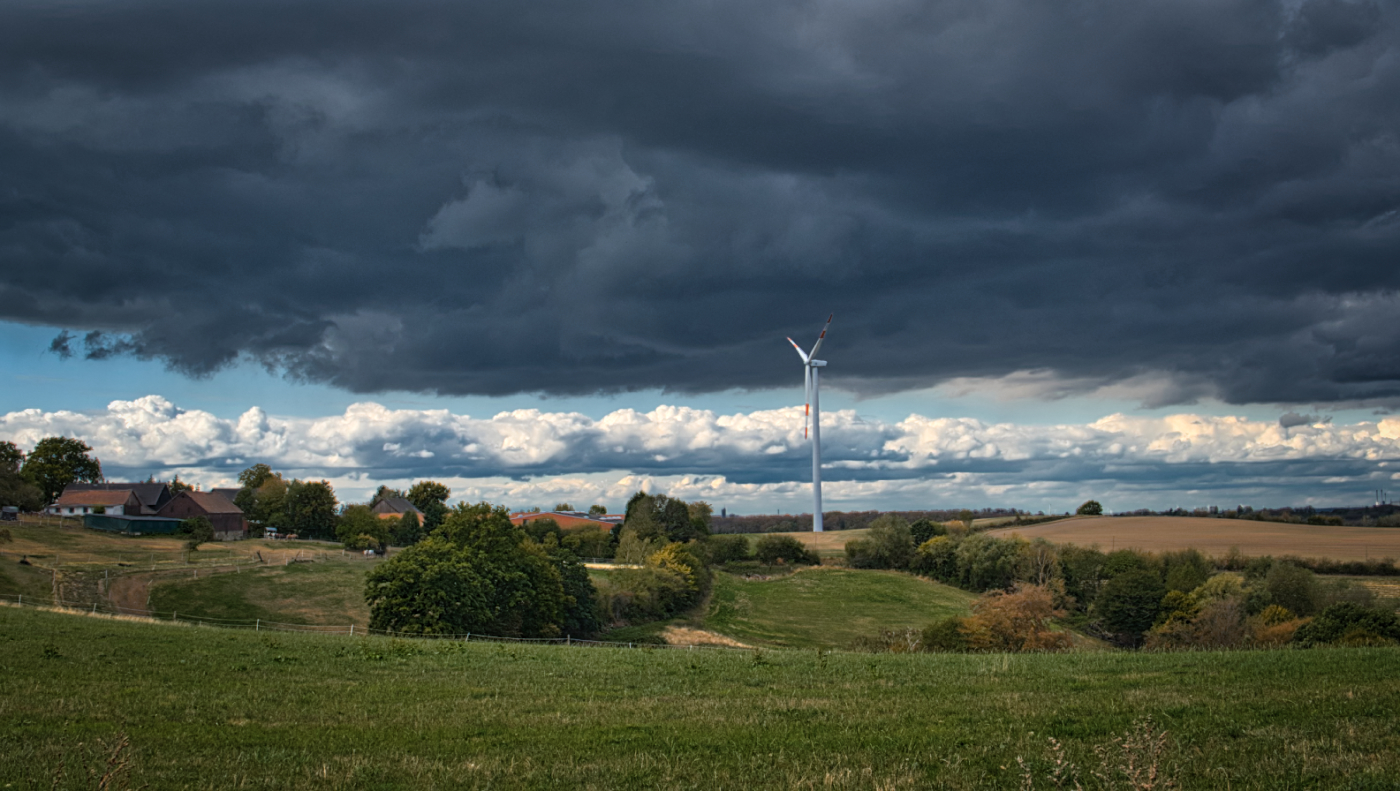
(817, 363)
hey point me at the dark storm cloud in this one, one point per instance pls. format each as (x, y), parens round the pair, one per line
(494, 198)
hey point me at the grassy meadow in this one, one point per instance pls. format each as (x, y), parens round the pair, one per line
(823, 607)
(329, 592)
(216, 708)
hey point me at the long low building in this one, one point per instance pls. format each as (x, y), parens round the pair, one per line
(132, 524)
(569, 520)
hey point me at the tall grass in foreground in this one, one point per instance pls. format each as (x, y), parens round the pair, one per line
(210, 708)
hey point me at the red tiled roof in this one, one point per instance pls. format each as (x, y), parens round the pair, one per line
(91, 497)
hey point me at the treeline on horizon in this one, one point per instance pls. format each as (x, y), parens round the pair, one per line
(1382, 515)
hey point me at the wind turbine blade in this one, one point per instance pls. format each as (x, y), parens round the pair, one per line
(821, 337)
(807, 410)
(800, 353)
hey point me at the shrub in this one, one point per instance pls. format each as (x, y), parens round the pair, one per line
(1129, 603)
(774, 549)
(1219, 623)
(889, 545)
(1185, 570)
(721, 549)
(590, 542)
(1292, 587)
(947, 635)
(1015, 621)
(937, 558)
(925, 529)
(987, 563)
(1350, 624)
(1125, 560)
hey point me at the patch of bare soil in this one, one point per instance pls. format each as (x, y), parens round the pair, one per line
(129, 593)
(687, 635)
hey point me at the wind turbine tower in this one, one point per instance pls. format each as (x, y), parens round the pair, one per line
(812, 366)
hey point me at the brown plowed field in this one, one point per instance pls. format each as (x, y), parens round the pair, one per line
(1216, 536)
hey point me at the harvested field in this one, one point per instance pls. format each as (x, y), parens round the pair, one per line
(1216, 536)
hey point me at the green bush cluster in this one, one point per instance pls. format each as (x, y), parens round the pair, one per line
(477, 572)
(773, 550)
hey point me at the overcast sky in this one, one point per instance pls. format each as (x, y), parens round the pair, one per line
(1164, 207)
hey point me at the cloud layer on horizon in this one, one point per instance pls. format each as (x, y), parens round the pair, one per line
(490, 198)
(748, 460)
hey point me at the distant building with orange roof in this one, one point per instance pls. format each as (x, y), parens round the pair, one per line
(569, 520)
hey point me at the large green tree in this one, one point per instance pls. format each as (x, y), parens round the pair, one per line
(430, 497)
(311, 509)
(58, 461)
(14, 489)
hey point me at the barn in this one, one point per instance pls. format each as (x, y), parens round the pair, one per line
(227, 518)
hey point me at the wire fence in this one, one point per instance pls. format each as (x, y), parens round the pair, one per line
(349, 630)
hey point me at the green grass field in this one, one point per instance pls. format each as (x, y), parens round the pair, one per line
(327, 592)
(214, 708)
(826, 607)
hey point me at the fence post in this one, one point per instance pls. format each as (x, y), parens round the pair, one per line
(352, 630)
(258, 626)
(568, 639)
(469, 637)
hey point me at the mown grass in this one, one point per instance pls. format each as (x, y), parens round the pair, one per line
(327, 592)
(827, 607)
(211, 708)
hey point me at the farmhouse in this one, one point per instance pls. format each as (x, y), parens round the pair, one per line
(227, 518)
(395, 508)
(96, 501)
(569, 520)
(149, 496)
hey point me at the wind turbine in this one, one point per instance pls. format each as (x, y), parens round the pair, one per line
(811, 365)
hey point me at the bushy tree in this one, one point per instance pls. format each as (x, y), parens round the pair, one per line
(1090, 508)
(596, 510)
(430, 497)
(888, 545)
(407, 530)
(1129, 603)
(58, 461)
(937, 558)
(590, 542)
(359, 528)
(1185, 570)
(1292, 587)
(987, 563)
(923, 529)
(14, 489)
(198, 530)
(311, 507)
(722, 549)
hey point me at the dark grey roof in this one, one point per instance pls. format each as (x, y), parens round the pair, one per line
(395, 505)
(228, 493)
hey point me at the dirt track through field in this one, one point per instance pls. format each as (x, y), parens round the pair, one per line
(1217, 536)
